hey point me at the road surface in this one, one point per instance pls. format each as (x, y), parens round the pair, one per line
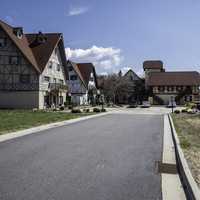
(106, 158)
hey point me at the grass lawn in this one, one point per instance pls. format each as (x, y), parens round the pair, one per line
(13, 120)
(188, 130)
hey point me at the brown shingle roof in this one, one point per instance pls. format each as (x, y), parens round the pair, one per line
(43, 51)
(37, 54)
(84, 71)
(188, 78)
(22, 44)
(152, 64)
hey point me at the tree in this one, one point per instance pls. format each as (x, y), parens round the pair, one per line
(118, 89)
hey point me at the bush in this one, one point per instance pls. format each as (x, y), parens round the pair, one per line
(97, 110)
(103, 110)
(76, 111)
(184, 110)
(70, 107)
(177, 111)
(87, 110)
(190, 111)
(191, 105)
(62, 108)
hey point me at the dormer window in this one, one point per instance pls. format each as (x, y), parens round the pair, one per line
(18, 31)
(2, 42)
(41, 38)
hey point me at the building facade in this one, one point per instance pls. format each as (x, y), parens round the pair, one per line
(82, 82)
(131, 83)
(179, 86)
(32, 69)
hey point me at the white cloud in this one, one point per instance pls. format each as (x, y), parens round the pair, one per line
(77, 10)
(106, 60)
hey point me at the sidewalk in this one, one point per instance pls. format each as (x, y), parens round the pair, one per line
(171, 184)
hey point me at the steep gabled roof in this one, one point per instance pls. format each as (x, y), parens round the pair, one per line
(22, 44)
(74, 65)
(184, 78)
(131, 71)
(84, 71)
(43, 51)
(38, 54)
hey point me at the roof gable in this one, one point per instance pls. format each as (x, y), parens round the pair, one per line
(22, 44)
(43, 51)
(129, 72)
(38, 54)
(84, 71)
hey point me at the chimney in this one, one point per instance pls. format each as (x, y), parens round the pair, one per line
(41, 38)
(18, 31)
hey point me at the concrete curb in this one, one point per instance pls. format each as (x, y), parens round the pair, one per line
(38, 129)
(191, 189)
(171, 183)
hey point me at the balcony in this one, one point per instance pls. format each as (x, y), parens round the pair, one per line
(57, 87)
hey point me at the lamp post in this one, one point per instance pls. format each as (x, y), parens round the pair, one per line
(172, 104)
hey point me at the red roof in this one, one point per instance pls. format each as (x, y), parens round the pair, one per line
(84, 71)
(187, 78)
(153, 64)
(37, 54)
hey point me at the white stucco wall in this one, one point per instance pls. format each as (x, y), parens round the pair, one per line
(53, 73)
(166, 98)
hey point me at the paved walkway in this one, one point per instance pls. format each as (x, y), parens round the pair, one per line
(106, 158)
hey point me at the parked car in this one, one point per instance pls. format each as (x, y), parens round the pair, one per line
(171, 104)
(132, 105)
(145, 104)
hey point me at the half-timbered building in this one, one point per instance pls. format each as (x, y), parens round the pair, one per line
(32, 69)
(164, 86)
(82, 82)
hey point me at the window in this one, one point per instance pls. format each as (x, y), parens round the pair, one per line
(25, 78)
(15, 69)
(50, 65)
(179, 88)
(14, 60)
(58, 67)
(170, 88)
(2, 42)
(61, 81)
(70, 68)
(73, 77)
(161, 88)
(46, 78)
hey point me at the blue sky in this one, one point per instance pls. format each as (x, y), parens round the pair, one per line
(116, 34)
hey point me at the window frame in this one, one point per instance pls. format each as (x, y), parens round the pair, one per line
(75, 77)
(4, 42)
(14, 63)
(25, 81)
(45, 79)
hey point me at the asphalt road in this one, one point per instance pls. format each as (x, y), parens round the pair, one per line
(106, 158)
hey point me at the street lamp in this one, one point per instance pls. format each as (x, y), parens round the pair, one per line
(172, 103)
